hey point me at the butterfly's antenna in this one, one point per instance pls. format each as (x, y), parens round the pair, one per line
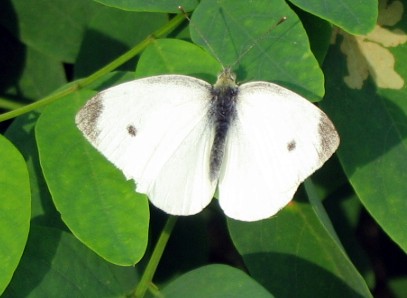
(201, 35)
(261, 37)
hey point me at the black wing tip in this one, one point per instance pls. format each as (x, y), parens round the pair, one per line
(88, 116)
(329, 137)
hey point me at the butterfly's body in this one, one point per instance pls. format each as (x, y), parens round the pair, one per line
(221, 113)
(179, 138)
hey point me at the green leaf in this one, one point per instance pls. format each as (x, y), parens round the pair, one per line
(344, 212)
(162, 57)
(294, 249)
(215, 281)
(398, 286)
(21, 133)
(54, 28)
(41, 76)
(179, 258)
(372, 123)
(319, 33)
(153, 6)
(55, 264)
(356, 17)
(14, 209)
(26, 73)
(12, 54)
(227, 29)
(122, 31)
(95, 201)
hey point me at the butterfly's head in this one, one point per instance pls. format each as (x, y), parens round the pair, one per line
(226, 79)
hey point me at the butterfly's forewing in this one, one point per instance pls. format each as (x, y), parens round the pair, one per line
(276, 141)
(156, 131)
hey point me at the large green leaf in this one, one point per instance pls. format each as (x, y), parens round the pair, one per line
(356, 17)
(54, 28)
(366, 98)
(215, 281)
(26, 73)
(153, 6)
(122, 31)
(319, 33)
(95, 201)
(55, 264)
(41, 75)
(162, 57)
(292, 254)
(34, 23)
(14, 209)
(21, 133)
(227, 29)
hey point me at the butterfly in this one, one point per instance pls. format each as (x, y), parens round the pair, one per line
(181, 139)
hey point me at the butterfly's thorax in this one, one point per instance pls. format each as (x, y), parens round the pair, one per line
(221, 114)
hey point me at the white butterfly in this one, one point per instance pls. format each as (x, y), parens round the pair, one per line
(179, 138)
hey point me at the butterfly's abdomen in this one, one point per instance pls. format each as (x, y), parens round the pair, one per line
(221, 114)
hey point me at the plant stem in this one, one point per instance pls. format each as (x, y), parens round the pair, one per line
(9, 104)
(70, 88)
(148, 274)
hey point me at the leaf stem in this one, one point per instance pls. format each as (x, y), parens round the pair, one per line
(74, 86)
(148, 274)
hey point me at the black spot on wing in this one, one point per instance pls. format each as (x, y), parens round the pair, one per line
(329, 138)
(291, 145)
(87, 118)
(131, 129)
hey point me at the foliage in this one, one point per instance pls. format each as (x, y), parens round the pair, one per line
(72, 226)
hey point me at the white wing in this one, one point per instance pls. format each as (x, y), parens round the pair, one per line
(277, 140)
(156, 131)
